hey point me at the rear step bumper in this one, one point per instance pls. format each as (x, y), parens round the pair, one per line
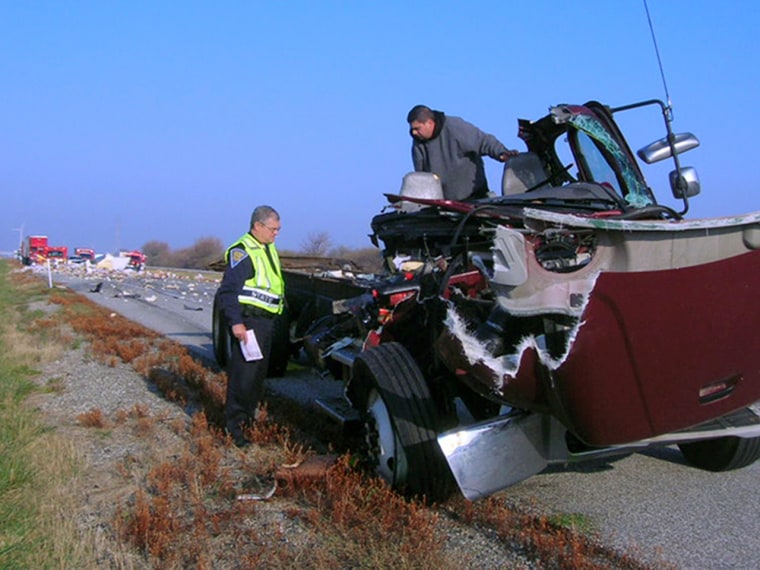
(339, 409)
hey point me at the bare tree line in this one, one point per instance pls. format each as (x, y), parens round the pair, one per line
(210, 250)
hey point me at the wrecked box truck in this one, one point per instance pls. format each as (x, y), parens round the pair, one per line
(570, 317)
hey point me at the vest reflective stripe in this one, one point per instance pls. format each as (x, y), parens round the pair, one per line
(265, 289)
(249, 296)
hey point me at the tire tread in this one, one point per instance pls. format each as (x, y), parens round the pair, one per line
(408, 399)
(723, 453)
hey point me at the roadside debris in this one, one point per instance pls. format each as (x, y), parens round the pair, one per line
(313, 468)
(265, 496)
(127, 295)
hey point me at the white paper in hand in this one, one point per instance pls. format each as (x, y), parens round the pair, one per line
(250, 347)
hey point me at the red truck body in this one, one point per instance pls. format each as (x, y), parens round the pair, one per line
(34, 249)
(58, 253)
(136, 259)
(85, 253)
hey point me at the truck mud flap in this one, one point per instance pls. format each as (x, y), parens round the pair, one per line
(489, 456)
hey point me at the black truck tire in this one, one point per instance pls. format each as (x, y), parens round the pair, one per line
(220, 335)
(722, 453)
(400, 420)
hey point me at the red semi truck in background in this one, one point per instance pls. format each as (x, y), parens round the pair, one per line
(57, 253)
(136, 259)
(36, 249)
(85, 254)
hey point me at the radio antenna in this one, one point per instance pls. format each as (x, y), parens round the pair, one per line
(659, 61)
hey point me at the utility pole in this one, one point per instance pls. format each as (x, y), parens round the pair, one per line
(118, 237)
(20, 238)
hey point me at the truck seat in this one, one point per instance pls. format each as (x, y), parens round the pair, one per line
(420, 185)
(521, 173)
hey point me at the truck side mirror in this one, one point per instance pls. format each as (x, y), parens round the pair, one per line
(684, 182)
(660, 150)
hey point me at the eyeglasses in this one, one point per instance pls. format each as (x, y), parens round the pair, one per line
(271, 229)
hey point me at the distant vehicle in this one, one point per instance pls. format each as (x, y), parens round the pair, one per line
(569, 318)
(85, 254)
(34, 249)
(136, 259)
(57, 253)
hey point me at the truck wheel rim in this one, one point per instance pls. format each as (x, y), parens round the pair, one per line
(385, 450)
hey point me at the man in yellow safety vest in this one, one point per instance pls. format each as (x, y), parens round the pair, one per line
(251, 295)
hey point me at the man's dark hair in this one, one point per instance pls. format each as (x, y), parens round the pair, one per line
(420, 113)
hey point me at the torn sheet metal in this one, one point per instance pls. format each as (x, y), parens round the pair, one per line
(648, 342)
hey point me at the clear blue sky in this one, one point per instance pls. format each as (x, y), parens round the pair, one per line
(130, 121)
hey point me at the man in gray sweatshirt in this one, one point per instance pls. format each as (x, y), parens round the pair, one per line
(453, 149)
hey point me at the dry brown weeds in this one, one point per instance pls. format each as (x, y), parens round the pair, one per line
(185, 512)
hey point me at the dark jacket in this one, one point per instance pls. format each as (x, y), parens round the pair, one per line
(454, 154)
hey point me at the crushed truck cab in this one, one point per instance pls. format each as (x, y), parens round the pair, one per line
(571, 316)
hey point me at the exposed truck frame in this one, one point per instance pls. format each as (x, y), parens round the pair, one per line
(570, 317)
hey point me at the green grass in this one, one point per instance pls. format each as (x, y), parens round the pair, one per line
(573, 521)
(36, 464)
(18, 430)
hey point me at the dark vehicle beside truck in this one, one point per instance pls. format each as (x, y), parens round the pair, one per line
(572, 316)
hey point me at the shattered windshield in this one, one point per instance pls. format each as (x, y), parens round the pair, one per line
(592, 138)
(598, 167)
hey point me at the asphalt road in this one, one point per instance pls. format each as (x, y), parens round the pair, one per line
(651, 504)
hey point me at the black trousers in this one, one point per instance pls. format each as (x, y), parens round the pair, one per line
(245, 379)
